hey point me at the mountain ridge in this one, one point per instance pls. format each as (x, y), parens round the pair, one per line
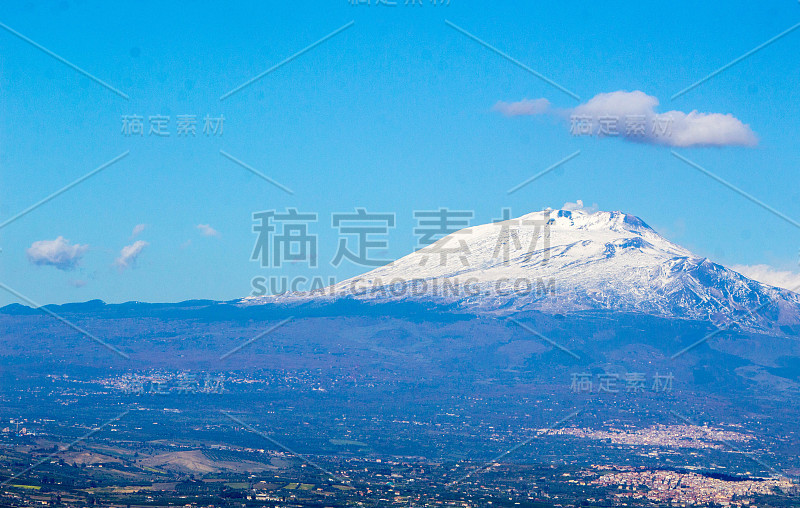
(558, 261)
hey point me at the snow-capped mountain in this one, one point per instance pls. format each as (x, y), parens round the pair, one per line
(560, 261)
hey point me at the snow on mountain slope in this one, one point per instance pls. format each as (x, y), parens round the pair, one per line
(562, 261)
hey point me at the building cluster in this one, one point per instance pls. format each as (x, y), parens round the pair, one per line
(672, 436)
(690, 488)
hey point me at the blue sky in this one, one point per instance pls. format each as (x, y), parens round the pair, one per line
(393, 114)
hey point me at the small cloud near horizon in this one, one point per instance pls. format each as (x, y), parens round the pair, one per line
(632, 116)
(207, 230)
(769, 275)
(579, 206)
(129, 254)
(525, 107)
(58, 253)
(137, 230)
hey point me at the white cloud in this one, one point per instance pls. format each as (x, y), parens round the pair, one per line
(137, 229)
(633, 116)
(617, 103)
(708, 129)
(58, 253)
(523, 107)
(129, 254)
(578, 206)
(771, 276)
(207, 230)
